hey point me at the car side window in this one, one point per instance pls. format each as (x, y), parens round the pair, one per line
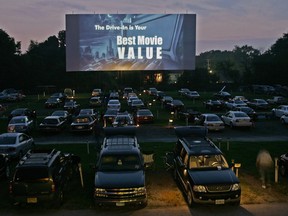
(186, 159)
(21, 138)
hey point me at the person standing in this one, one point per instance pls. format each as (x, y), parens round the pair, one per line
(264, 163)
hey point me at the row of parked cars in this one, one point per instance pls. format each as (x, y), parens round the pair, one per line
(42, 176)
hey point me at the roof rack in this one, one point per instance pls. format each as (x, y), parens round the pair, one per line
(38, 156)
(120, 140)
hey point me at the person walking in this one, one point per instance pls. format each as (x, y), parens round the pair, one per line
(264, 163)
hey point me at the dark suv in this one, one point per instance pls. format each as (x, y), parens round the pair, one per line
(201, 169)
(120, 173)
(41, 176)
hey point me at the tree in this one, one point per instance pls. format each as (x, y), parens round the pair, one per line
(272, 66)
(9, 59)
(243, 57)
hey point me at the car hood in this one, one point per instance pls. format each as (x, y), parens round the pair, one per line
(120, 179)
(208, 177)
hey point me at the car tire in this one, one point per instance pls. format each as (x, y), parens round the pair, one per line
(282, 170)
(7, 172)
(231, 125)
(189, 198)
(175, 174)
(20, 155)
(60, 198)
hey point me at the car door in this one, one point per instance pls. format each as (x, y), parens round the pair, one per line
(181, 166)
(226, 118)
(24, 143)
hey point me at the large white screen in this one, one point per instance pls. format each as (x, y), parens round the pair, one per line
(119, 42)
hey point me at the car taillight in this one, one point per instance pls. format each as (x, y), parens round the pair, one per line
(53, 188)
(10, 188)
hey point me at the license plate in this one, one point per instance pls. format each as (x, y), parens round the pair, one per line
(220, 202)
(120, 204)
(31, 200)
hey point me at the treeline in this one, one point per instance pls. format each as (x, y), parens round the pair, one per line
(43, 66)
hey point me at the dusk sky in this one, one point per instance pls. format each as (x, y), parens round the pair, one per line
(221, 24)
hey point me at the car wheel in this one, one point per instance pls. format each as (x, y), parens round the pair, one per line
(231, 125)
(190, 198)
(283, 170)
(7, 172)
(20, 154)
(175, 174)
(60, 197)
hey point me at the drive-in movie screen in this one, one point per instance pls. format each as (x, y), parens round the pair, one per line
(127, 42)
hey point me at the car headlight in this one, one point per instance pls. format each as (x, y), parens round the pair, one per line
(199, 188)
(235, 187)
(141, 189)
(99, 190)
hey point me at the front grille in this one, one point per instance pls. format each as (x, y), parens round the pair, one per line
(218, 188)
(124, 193)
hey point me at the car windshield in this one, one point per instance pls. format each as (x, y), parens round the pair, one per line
(240, 114)
(58, 113)
(207, 161)
(31, 174)
(114, 102)
(18, 112)
(127, 162)
(144, 112)
(213, 118)
(5, 140)
(137, 102)
(86, 112)
(50, 121)
(17, 120)
(70, 103)
(122, 119)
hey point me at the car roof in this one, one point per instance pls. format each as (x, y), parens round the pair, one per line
(10, 134)
(52, 117)
(200, 146)
(209, 114)
(19, 117)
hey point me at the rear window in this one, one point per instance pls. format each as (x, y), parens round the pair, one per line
(31, 174)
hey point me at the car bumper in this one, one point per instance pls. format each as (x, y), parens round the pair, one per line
(33, 199)
(215, 128)
(217, 199)
(243, 124)
(139, 201)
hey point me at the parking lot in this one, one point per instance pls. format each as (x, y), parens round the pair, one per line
(161, 131)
